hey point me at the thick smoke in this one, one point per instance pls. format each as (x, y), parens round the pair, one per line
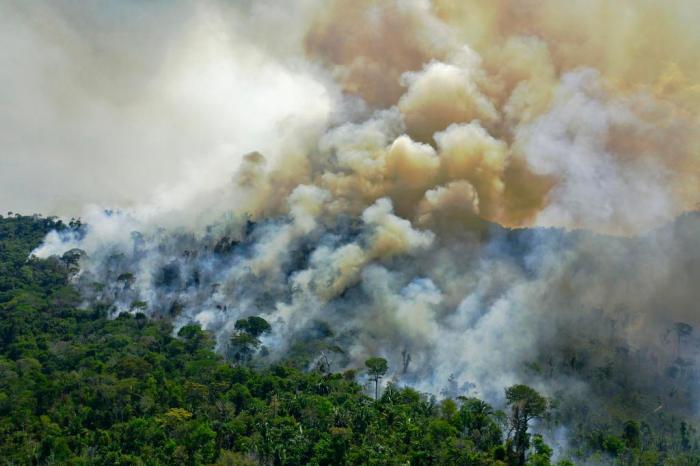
(389, 148)
(124, 103)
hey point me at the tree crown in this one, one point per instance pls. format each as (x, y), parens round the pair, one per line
(377, 367)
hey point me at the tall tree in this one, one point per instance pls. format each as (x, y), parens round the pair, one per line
(525, 404)
(245, 341)
(376, 368)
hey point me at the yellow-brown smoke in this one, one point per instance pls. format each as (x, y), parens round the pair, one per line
(476, 86)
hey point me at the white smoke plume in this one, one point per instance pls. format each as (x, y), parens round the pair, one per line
(119, 103)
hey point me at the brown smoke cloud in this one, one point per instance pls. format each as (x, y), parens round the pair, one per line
(369, 44)
(503, 66)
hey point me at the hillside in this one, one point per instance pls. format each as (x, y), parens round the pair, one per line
(79, 387)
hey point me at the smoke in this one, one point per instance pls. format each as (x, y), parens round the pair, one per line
(123, 104)
(351, 171)
(599, 186)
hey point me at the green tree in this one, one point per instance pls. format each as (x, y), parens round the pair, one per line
(476, 421)
(525, 404)
(376, 368)
(242, 346)
(245, 341)
(195, 338)
(542, 454)
(253, 325)
(632, 434)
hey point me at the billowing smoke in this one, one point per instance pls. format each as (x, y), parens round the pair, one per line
(481, 192)
(122, 104)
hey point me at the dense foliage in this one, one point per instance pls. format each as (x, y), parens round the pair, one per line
(79, 388)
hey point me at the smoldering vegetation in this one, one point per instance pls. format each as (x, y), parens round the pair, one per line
(579, 315)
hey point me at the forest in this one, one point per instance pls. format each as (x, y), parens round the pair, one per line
(80, 387)
(350, 232)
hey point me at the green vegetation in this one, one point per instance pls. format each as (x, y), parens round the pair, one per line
(245, 341)
(79, 388)
(376, 368)
(526, 405)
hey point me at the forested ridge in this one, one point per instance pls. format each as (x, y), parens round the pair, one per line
(77, 387)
